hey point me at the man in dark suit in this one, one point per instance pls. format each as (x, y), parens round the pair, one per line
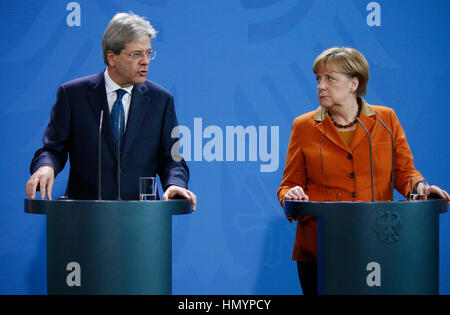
(144, 137)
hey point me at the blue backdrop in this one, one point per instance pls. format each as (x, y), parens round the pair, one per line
(229, 63)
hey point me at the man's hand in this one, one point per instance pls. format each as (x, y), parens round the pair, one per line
(44, 177)
(173, 190)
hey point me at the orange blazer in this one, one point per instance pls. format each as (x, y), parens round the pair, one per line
(327, 169)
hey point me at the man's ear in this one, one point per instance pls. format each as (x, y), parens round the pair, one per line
(111, 57)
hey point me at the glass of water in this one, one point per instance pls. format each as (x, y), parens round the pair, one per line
(147, 188)
(413, 193)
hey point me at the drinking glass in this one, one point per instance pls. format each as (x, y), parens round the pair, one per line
(147, 188)
(415, 195)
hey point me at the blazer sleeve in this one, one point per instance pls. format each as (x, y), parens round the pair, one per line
(295, 169)
(172, 169)
(404, 168)
(56, 136)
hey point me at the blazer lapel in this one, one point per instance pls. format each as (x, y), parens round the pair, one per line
(359, 131)
(327, 128)
(98, 102)
(139, 106)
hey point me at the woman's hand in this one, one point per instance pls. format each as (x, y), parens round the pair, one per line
(296, 193)
(433, 189)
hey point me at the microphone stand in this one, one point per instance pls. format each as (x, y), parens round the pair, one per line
(392, 149)
(100, 157)
(370, 152)
(118, 160)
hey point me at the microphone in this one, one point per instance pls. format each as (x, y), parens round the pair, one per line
(118, 159)
(392, 149)
(100, 157)
(370, 152)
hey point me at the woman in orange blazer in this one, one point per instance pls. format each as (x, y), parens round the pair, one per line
(328, 154)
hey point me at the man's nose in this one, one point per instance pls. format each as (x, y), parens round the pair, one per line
(145, 60)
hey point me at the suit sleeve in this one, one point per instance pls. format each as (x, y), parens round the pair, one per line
(56, 137)
(172, 169)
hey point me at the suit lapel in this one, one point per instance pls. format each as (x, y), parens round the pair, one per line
(138, 108)
(98, 102)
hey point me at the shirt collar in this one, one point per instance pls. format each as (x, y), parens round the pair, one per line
(321, 112)
(112, 86)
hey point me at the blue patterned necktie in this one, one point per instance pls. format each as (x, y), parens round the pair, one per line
(117, 111)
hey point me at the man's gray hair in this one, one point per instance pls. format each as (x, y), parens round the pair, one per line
(123, 28)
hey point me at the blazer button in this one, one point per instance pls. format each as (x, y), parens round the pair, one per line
(353, 194)
(349, 156)
(351, 175)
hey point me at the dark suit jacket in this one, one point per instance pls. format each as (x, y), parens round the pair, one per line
(147, 144)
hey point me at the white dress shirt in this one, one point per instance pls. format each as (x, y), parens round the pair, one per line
(111, 95)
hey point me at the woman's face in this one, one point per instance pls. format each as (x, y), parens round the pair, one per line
(335, 88)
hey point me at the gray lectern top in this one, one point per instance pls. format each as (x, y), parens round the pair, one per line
(172, 207)
(317, 208)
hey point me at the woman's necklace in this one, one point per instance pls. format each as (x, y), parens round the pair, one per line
(348, 125)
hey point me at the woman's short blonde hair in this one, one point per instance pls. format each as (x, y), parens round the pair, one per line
(346, 60)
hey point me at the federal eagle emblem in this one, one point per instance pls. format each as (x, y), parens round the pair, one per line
(388, 226)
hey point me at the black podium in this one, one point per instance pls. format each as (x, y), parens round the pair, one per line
(109, 247)
(376, 247)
